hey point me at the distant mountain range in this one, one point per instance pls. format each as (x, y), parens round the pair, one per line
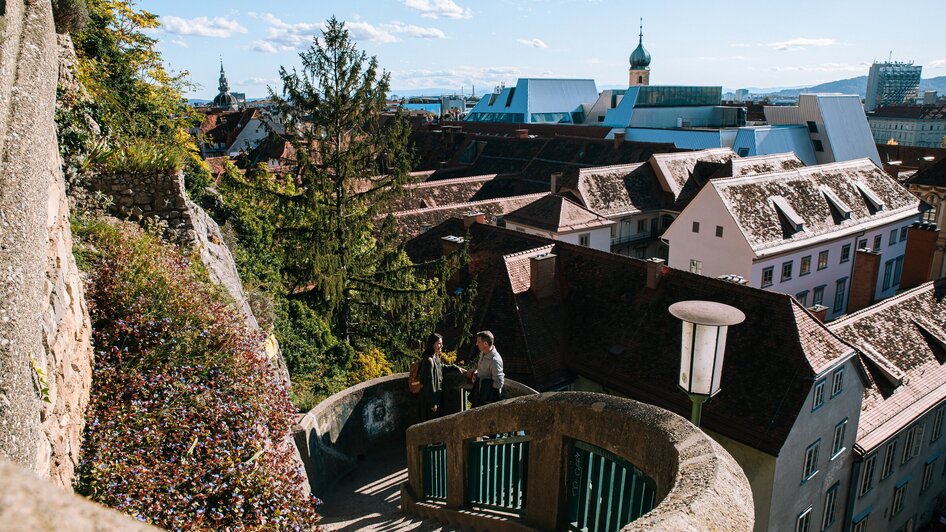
(856, 85)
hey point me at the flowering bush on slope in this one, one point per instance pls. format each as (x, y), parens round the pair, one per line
(187, 423)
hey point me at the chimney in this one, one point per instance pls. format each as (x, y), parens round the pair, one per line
(443, 164)
(918, 257)
(471, 218)
(542, 275)
(555, 179)
(522, 133)
(863, 279)
(619, 139)
(820, 312)
(451, 244)
(655, 268)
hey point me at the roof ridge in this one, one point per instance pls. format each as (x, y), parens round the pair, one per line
(518, 254)
(451, 181)
(686, 154)
(590, 169)
(467, 204)
(797, 172)
(882, 305)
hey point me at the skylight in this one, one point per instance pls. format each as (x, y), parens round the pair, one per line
(782, 206)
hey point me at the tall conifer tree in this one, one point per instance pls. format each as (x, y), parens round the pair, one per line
(350, 163)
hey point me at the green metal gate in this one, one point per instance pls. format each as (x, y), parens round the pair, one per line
(435, 472)
(604, 492)
(498, 471)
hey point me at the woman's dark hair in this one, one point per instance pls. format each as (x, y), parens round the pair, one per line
(429, 346)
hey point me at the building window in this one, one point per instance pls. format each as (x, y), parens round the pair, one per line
(840, 287)
(696, 266)
(838, 445)
(877, 241)
(818, 145)
(614, 231)
(802, 297)
(811, 461)
(893, 237)
(584, 240)
(897, 270)
(929, 216)
(812, 127)
(845, 253)
(805, 267)
(696, 227)
(888, 460)
(897, 504)
(867, 476)
(903, 233)
(927, 474)
(786, 271)
(912, 443)
(860, 525)
(719, 231)
(818, 395)
(767, 276)
(837, 382)
(862, 243)
(818, 296)
(803, 523)
(888, 273)
(937, 424)
(830, 498)
(823, 260)
(641, 226)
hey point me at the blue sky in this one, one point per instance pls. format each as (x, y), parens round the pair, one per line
(460, 43)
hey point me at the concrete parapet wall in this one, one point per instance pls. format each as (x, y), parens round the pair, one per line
(699, 485)
(340, 430)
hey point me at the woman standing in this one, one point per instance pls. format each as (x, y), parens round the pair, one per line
(431, 376)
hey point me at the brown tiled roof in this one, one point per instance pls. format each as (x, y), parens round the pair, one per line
(413, 222)
(749, 201)
(675, 169)
(445, 192)
(761, 164)
(617, 190)
(933, 175)
(922, 112)
(555, 213)
(606, 325)
(907, 331)
(225, 126)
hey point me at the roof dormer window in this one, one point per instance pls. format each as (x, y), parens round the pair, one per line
(840, 210)
(873, 200)
(790, 219)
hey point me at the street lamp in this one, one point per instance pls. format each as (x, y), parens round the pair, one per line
(704, 344)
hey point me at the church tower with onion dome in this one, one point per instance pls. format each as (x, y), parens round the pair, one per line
(639, 73)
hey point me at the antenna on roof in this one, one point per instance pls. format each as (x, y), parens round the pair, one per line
(890, 56)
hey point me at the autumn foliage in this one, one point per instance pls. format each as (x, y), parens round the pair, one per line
(187, 425)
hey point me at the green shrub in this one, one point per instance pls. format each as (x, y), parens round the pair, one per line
(187, 422)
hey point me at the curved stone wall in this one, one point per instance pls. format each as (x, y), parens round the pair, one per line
(332, 436)
(699, 485)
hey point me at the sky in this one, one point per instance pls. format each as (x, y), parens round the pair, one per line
(462, 44)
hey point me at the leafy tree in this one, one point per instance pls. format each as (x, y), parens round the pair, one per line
(349, 163)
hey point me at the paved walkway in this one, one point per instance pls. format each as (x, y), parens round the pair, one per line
(368, 498)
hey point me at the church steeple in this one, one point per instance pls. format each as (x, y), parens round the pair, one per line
(639, 73)
(224, 100)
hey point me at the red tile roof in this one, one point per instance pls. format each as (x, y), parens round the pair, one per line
(557, 214)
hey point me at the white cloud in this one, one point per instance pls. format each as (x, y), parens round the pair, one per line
(799, 43)
(257, 81)
(205, 27)
(438, 8)
(534, 43)
(723, 58)
(282, 36)
(463, 76)
(181, 42)
(593, 61)
(939, 63)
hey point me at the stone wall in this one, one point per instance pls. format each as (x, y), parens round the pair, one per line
(28, 163)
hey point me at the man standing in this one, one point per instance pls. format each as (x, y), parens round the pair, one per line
(489, 371)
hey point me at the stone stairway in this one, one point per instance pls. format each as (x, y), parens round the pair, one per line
(368, 498)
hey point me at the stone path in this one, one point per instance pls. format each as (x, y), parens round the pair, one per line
(369, 497)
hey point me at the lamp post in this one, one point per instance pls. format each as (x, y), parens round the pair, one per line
(702, 349)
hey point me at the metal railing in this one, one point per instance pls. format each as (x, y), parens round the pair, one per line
(435, 472)
(605, 492)
(627, 240)
(497, 474)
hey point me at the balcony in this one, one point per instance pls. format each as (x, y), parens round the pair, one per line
(562, 460)
(626, 241)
